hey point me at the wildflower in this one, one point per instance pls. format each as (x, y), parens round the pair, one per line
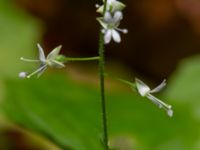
(111, 6)
(110, 26)
(50, 60)
(145, 91)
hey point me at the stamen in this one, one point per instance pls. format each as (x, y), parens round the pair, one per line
(35, 72)
(103, 31)
(125, 31)
(97, 5)
(170, 113)
(161, 104)
(159, 101)
(29, 60)
(22, 74)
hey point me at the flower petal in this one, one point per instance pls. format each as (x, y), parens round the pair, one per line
(41, 53)
(118, 16)
(142, 88)
(159, 87)
(107, 36)
(56, 64)
(54, 53)
(116, 36)
(108, 18)
(109, 2)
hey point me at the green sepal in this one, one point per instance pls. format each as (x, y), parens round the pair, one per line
(61, 58)
(117, 6)
(103, 24)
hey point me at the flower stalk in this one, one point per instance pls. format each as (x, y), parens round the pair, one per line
(102, 90)
(102, 84)
(109, 21)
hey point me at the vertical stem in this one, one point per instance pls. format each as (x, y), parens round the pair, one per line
(102, 85)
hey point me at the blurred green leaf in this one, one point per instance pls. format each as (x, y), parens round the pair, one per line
(19, 33)
(185, 83)
(69, 114)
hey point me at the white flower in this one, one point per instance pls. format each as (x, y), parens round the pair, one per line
(110, 26)
(145, 91)
(111, 6)
(50, 61)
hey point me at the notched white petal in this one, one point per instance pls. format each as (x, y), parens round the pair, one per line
(107, 17)
(159, 87)
(107, 36)
(54, 53)
(116, 36)
(118, 16)
(41, 53)
(142, 88)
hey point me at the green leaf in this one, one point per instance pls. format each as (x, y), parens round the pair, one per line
(185, 83)
(19, 33)
(69, 114)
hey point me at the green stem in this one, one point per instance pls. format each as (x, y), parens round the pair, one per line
(64, 59)
(81, 59)
(132, 84)
(102, 85)
(126, 82)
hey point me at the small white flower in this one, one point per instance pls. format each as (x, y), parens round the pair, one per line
(112, 6)
(110, 26)
(50, 61)
(145, 91)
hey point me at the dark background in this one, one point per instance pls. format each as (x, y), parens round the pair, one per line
(161, 32)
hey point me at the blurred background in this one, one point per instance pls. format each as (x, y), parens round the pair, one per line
(163, 42)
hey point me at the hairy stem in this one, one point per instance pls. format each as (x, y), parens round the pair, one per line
(102, 85)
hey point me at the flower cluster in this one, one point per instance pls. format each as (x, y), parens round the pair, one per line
(110, 21)
(44, 62)
(145, 91)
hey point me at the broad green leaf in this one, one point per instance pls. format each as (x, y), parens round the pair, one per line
(68, 113)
